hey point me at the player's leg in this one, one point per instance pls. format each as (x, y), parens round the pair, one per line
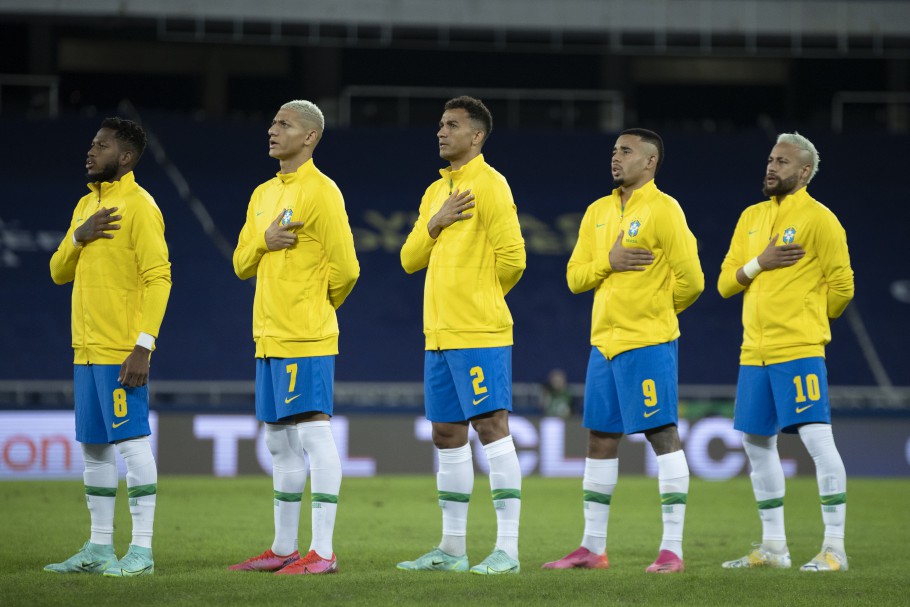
(801, 392)
(304, 390)
(604, 422)
(100, 477)
(455, 478)
(288, 471)
(647, 384)
(483, 380)
(756, 415)
(126, 416)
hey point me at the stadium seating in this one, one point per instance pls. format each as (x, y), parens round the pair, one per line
(382, 173)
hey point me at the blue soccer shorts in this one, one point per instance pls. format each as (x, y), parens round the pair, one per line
(106, 410)
(461, 384)
(782, 396)
(635, 391)
(288, 386)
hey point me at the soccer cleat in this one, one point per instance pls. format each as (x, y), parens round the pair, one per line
(828, 559)
(580, 559)
(667, 562)
(267, 561)
(311, 563)
(137, 561)
(436, 560)
(498, 563)
(92, 558)
(760, 557)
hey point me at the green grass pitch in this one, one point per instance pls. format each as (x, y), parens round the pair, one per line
(204, 524)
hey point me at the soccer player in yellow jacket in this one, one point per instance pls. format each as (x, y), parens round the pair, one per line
(468, 238)
(298, 244)
(789, 258)
(637, 253)
(115, 255)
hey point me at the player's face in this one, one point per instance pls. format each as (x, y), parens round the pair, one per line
(103, 159)
(633, 162)
(457, 135)
(288, 135)
(788, 169)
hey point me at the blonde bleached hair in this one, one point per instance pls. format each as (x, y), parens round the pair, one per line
(308, 111)
(797, 140)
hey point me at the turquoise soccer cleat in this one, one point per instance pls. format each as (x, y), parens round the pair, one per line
(92, 558)
(498, 563)
(138, 561)
(436, 560)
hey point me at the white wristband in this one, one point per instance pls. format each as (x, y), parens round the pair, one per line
(752, 269)
(146, 341)
(76, 243)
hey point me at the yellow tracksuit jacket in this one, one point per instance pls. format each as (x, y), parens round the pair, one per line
(636, 309)
(786, 311)
(473, 263)
(120, 285)
(299, 288)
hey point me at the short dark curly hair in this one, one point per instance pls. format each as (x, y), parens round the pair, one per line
(129, 132)
(476, 110)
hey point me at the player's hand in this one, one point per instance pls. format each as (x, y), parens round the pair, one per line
(452, 210)
(279, 236)
(98, 226)
(134, 371)
(628, 259)
(782, 256)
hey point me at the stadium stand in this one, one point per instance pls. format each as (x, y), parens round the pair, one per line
(382, 173)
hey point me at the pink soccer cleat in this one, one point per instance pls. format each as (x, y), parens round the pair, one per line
(579, 559)
(310, 564)
(667, 562)
(267, 561)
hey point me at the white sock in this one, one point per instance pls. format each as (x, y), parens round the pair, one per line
(505, 483)
(288, 481)
(598, 485)
(832, 481)
(673, 481)
(100, 478)
(454, 484)
(142, 485)
(325, 474)
(769, 487)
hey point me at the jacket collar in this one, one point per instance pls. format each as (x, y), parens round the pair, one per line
(305, 170)
(109, 188)
(469, 170)
(798, 197)
(646, 190)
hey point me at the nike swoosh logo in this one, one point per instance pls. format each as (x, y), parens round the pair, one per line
(477, 401)
(117, 425)
(650, 413)
(259, 213)
(600, 225)
(751, 232)
(436, 563)
(288, 400)
(801, 409)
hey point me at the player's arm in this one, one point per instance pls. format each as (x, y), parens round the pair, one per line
(415, 253)
(681, 251)
(330, 222)
(732, 280)
(585, 271)
(147, 236)
(500, 218)
(834, 258)
(251, 245)
(101, 224)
